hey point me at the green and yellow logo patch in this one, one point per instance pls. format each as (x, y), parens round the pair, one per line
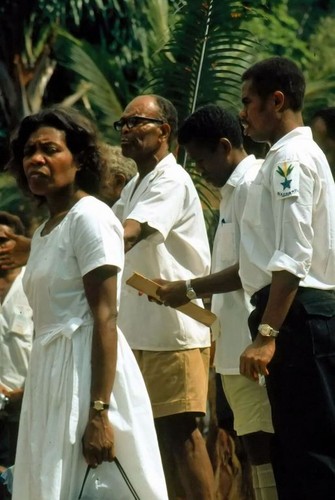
(287, 179)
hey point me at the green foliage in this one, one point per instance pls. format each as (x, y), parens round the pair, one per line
(100, 78)
(321, 45)
(104, 75)
(309, 13)
(277, 32)
(298, 31)
(205, 56)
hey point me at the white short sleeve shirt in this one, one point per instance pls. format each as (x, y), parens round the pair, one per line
(16, 336)
(88, 237)
(232, 308)
(167, 201)
(289, 217)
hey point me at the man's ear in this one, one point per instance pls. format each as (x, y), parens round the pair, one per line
(225, 144)
(120, 180)
(165, 131)
(279, 99)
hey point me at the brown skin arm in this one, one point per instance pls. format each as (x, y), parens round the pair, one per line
(101, 292)
(256, 357)
(16, 252)
(134, 232)
(173, 293)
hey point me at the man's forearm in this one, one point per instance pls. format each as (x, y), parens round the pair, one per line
(173, 293)
(224, 281)
(284, 287)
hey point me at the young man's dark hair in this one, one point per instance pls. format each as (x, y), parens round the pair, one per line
(278, 73)
(208, 124)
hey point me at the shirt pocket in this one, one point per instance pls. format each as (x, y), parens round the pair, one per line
(21, 320)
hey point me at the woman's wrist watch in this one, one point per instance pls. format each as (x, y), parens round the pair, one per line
(99, 405)
(267, 330)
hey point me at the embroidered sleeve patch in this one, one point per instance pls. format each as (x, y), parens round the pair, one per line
(286, 179)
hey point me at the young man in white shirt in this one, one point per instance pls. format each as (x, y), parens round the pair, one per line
(287, 264)
(213, 138)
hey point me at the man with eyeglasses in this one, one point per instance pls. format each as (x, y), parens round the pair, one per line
(165, 236)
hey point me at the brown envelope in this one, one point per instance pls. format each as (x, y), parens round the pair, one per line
(149, 287)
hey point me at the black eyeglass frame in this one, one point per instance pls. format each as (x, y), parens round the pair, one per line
(133, 121)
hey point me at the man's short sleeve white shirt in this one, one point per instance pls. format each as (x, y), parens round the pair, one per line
(167, 201)
(232, 308)
(289, 217)
(16, 336)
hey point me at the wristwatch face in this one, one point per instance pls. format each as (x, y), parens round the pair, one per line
(267, 331)
(190, 293)
(99, 405)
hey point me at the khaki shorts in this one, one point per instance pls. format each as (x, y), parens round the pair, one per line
(249, 403)
(177, 381)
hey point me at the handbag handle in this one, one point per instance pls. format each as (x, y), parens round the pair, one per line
(126, 479)
(85, 477)
(123, 474)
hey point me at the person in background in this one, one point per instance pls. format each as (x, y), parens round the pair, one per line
(323, 128)
(213, 139)
(16, 336)
(287, 265)
(119, 172)
(165, 235)
(85, 401)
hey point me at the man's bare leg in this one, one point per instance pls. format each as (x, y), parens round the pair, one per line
(184, 455)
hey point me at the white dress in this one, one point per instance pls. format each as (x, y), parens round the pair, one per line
(49, 461)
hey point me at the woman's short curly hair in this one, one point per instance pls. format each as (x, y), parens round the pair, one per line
(81, 139)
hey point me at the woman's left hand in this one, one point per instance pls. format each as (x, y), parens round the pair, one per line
(98, 439)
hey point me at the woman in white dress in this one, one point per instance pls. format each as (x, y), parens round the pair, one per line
(85, 401)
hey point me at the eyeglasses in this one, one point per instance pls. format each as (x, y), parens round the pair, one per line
(133, 121)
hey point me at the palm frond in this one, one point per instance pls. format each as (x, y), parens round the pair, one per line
(202, 62)
(204, 59)
(104, 77)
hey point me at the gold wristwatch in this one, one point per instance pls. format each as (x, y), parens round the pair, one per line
(99, 405)
(267, 330)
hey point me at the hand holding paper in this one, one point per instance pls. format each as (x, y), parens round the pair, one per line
(149, 287)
